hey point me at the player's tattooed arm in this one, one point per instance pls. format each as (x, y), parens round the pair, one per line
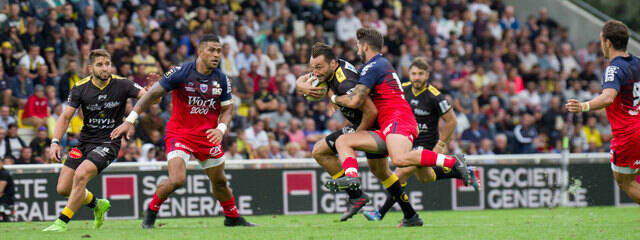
(369, 114)
(353, 100)
(152, 96)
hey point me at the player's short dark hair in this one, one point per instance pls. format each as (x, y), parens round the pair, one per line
(420, 63)
(616, 32)
(371, 37)
(98, 53)
(321, 49)
(209, 38)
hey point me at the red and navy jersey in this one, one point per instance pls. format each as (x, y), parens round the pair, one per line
(623, 75)
(386, 90)
(197, 99)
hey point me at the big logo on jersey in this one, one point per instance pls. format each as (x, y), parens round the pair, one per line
(216, 89)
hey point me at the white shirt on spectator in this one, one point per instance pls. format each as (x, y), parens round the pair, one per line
(256, 139)
(346, 28)
(228, 66)
(568, 63)
(233, 44)
(264, 64)
(29, 64)
(495, 30)
(528, 60)
(4, 123)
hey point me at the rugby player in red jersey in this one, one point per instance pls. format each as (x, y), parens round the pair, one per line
(621, 97)
(398, 127)
(202, 109)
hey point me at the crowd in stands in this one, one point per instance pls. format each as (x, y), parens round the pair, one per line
(508, 80)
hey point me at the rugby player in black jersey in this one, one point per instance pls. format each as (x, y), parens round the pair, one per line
(429, 106)
(102, 98)
(341, 77)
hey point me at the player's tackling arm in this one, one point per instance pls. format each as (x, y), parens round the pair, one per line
(353, 100)
(602, 101)
(369, 114)
(156, 92)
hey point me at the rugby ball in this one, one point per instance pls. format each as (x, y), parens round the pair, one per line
(316, 83)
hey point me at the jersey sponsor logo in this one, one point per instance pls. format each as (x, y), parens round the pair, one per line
(340, 75)
(189, 89)
(423, 127)
(215, 151)
(610, 73)
(75, 153)
(350, 67)
(444, 106)
(100, 121)
(102, 97)
(216, 89)
(204, 87)
(112, 104)
(200, 106)
(94, 107)
(172, 71)
(421, 112)
(414, 102)
(182, 146)
(228, 85)
(366, 68)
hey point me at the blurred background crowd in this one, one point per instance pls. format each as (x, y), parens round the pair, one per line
(507, 79)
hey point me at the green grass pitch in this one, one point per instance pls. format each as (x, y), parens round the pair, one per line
(559, 223)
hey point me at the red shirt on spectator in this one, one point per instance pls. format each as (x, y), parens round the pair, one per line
(36, 107)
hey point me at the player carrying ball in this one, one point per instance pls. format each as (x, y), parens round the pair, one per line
(202, 109)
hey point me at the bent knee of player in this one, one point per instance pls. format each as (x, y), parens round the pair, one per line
(63, 190)
(177, 181)
(220, 183)
(81, 177)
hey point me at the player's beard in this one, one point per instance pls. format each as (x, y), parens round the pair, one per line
(363, 57)
(100, 77)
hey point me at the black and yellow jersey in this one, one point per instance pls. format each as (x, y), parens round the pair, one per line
(343, 81)
(102, 108)
(428, 106)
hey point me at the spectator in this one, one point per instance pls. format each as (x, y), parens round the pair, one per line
(9, 62)
(474, 134)
(149, 62)
(525, 133)
(6, 118)
(68, 80)
(256, 136)
(243, 87)
(22, 84)
(280, 133)
(578, 138)
(347, 25)
(32, 38)
(152, 121)
(36, 110)
(245, 58)
(43, 78)
(311, 134)
(274, 150)
(486, 146)
(567, 60)
(502, 146)
(592, 133)
(265, 101)
(32, 60)
(109, 19)
(293, 151)
(4, 145)
(40, 142)
(508, 19)
(130, 153)
(88, 19)
(227, 61)
(14, 142)
(295, 133)
(5, 87)
(26, 157)
(281, 115)
(544, 20)
(232, 152)
(148, 154)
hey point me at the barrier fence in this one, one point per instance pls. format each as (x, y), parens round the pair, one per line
(295, 186)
